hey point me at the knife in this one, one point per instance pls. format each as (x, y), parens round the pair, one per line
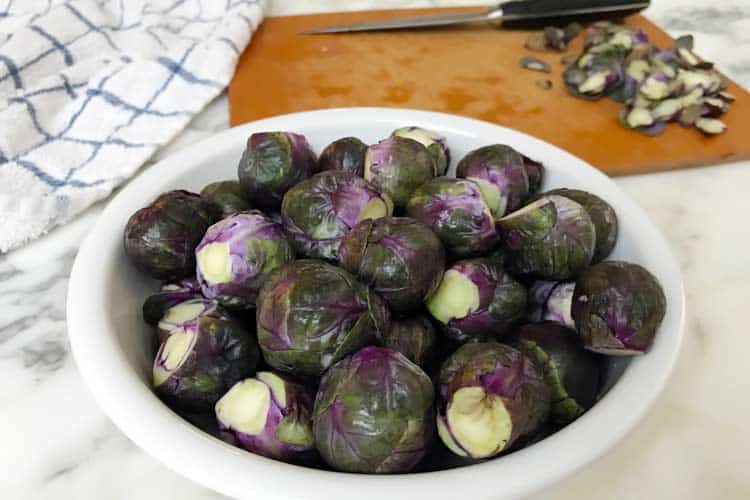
(515, 13)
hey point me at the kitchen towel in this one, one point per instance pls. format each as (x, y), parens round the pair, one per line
(90, 89)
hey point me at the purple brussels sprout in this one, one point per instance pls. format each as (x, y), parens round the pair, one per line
(456, 211)
(535, 173)
(160, 239)
(414, 337)
(318, 212)
(397, 166)
(168, 296)
(227, 196)
(268, 415)
(311, 314)
(602, 215)
(347, 154)
(374, 413)
(477, 300)
(572, 373)
(399, 258)
(491, 395)
(186, 314)
(235, 256)
(500, 172)
(199, 361)
(272, 163)
(552, 301)
(617, 308)
(552, 238)
(434, 142)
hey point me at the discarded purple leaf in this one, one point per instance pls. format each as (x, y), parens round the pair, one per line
(690, 114)
(534, 64)
(710, 126)
(715, 106)
(544, 83)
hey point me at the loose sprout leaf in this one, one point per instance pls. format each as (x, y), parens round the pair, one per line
(533, 64)
(710, 126)
(544, 83)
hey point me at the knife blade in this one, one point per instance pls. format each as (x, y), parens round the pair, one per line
(516, 13)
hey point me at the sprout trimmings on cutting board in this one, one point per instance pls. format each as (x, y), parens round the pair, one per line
(656, 85)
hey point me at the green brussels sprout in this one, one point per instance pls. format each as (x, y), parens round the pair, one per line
(235, 256)
(602, 215)
(310, 314)
(617, 308)
(160, 239)
(459, 215)
(397, 166)
(552, 238)
(500, 173)
(228, 197)
(414, 337)
(168, 296)
(268, 415)
(272, 163)
(572, 373)
(318, 212)
(552, 301)
(196, 364)
(347, 154)
(477, 300)
(491, 395)
(399, 258)
(373, 413)
(434, 142)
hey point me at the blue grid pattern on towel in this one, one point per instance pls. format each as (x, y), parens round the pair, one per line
(92, 88)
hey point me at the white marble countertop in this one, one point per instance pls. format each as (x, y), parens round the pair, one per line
(55, 442)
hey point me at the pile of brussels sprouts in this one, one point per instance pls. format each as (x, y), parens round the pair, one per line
(363, 311)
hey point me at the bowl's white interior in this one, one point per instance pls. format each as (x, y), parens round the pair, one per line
(114, 351)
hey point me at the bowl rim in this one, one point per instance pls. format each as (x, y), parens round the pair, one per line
(221, 467)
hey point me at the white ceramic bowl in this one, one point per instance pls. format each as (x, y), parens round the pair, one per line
(112, 348)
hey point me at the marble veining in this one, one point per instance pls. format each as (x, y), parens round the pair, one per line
(55, 443)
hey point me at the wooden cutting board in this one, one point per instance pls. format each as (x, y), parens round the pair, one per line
(470, 71)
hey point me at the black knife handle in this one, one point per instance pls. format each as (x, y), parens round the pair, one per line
(531, 13)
